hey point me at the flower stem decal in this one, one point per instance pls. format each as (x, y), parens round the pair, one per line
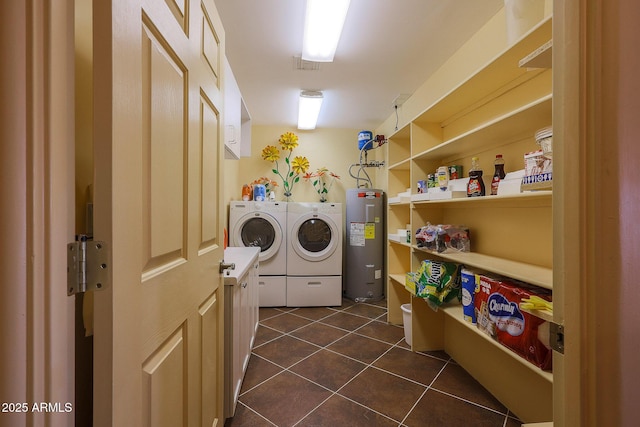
(319, 180)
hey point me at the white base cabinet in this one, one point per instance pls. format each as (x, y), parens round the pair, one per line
(241, 319)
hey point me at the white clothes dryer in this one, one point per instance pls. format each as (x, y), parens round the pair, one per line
(314, 254)
(263, 225)
(315, 239)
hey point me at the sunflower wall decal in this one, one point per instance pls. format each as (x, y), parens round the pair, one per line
(294, 167)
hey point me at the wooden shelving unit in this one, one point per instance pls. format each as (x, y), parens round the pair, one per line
(497, 110)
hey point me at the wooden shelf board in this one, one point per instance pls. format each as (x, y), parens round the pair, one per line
(455, 313)
(401, 165)
(405, 244)
(516, 125)
(545, 315)
(528, 199)
(400, 203)
(499, 72)
(399, 278)
(519, 385)
(533, 274)
(402, 133)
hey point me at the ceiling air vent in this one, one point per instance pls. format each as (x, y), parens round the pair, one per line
(302, 65)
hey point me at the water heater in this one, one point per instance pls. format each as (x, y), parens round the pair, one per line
(365, 237)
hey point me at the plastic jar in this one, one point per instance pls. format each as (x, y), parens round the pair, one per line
(544, 138)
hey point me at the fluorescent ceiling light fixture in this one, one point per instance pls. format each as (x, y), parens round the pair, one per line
(323, 24)
(308, 109)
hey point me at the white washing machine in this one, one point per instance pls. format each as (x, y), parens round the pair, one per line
(314, 254)
(263, 225)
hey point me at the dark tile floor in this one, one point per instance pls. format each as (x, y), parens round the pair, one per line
(345, 366)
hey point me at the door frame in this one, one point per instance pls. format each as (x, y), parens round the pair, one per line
(37, 204)
(595, 211)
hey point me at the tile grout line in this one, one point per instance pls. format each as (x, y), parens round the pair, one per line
(369, 365)
(469, 401)
(424, 392)
(349, 332)
(366, 365)
(337, 392)
(320, 348)
(258, 414)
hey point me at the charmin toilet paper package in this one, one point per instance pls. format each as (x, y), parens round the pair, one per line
(498, 314)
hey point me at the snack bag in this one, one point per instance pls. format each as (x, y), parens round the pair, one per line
(456, 238)
(426, 237)
(443, 238)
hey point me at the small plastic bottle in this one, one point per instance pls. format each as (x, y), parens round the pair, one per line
(475, 187)
(443, 177)
(498, 174)
(247, 192)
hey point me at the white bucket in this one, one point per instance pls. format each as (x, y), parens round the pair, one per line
(406, 320)
(522, 15)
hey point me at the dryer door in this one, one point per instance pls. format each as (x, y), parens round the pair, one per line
(315, 237)
(260, 230)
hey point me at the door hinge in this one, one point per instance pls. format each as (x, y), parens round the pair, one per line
(87, 265)
(556, 337)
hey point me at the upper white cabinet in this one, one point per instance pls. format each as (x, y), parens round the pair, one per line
(237, 122)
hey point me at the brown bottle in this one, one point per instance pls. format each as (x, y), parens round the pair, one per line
(498, 174)
(475, 187)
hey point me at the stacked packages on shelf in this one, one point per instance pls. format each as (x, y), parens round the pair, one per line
(538, 165)
(493, 303)
(494, 306)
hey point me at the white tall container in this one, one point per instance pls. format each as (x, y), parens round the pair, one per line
(522, 15)
(406, 320)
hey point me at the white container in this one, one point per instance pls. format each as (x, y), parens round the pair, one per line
(544, 138)
(443, 177)
(406, 320)
(522, 16)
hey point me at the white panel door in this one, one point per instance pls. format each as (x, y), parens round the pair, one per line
(158, 192)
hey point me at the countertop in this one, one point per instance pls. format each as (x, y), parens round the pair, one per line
(243, 258)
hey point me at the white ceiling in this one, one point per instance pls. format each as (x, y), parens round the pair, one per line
(387, 48)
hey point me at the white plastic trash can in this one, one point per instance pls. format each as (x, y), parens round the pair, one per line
(406, 320)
